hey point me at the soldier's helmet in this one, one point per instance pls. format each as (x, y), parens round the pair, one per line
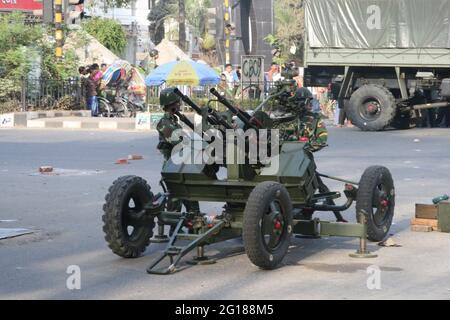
(168, 97)
(153, 53)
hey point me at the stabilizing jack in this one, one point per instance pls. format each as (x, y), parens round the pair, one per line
(175, 253)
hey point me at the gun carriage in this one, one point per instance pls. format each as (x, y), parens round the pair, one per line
(263, 205)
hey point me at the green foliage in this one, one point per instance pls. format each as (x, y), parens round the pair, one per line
(117, 3)
(108, 32)
(197, 14)
(209, 42)
(289, 29)
(14, 33)
(20, 47)
(108, 4)
(51, 69)
(15, 36)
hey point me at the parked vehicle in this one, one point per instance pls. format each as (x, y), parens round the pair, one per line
(385, 59)
(116, 108)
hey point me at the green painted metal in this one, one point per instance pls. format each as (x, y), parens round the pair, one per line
(296, 172)
(410, 57)
(317, 227)
(175, 253)
(306, 227)
(343, 229)
(444, 216)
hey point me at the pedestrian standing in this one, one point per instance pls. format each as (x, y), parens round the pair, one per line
(91, 92)
(230, 75)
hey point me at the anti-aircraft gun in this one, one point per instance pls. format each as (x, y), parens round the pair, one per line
(265, 202)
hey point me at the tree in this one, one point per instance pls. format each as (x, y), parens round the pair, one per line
(192, 12)
(181, 24)
(289, 28)
(108, 32)
(157, 16)
(23, 46)
(20, 44)
(197, 14)
(110, 3)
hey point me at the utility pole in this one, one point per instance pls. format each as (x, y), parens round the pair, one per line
(59, 34)
(227, 31)
(182, 25)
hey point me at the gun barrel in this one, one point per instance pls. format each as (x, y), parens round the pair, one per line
(185, 120)
(188, 101)
(213, 117)
(242, 115)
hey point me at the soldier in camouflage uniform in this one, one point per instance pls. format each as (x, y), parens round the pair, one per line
(169, 122)
(312, 126)
(171, 103)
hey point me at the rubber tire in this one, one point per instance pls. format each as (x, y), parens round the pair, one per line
(371, 177)
(117, 240)
(383, 96)
(104, 109)
(125, 111)
(256, 206)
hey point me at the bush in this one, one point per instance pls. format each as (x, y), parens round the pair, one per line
(9, 106)
(108, 32)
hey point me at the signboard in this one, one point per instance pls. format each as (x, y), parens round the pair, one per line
(252, 69)
(154, 119)
(142, 121)
(21, 5)
(147, 120)
(7, 120)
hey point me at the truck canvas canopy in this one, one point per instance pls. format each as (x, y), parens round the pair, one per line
(378, 24)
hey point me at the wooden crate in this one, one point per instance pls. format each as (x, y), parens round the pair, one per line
(435, 216)
(424, 222)
(426, 211)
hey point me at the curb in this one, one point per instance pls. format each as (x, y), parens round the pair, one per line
(20, 119)
(80, 120)
(80, 124)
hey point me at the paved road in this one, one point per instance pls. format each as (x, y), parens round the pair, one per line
(65, 212)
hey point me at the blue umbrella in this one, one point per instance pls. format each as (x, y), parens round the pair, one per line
(183, 73)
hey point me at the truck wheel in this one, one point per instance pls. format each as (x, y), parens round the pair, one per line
(372, 107)
(126, 232)
(267, 226)
(376, 200)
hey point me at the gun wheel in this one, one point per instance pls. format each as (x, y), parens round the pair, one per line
(127, 231)
(267, 226)
(376, 200)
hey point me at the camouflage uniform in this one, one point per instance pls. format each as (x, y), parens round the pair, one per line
(166, 126)
(313, 128)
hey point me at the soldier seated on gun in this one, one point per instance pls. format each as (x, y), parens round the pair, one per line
(313, 128)
(171, 104)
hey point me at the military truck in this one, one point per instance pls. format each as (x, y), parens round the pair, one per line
(383, 59)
